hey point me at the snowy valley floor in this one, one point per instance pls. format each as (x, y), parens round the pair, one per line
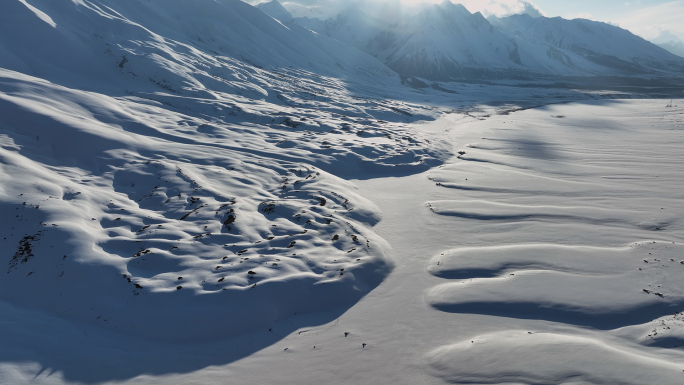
(548, 251)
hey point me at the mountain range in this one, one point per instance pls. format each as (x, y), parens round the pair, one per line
(675, 47)
(670, 42)
(445, 41)
(199, 52)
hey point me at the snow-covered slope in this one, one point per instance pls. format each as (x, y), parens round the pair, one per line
(443, 40)
(175, 43)
(351, 26)
(298, 10)
(123, 212)
(163, 155)
(550, 252)
(195, 192)
(610, 47)
(448, 41)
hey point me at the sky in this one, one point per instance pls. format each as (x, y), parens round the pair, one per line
(646, 18)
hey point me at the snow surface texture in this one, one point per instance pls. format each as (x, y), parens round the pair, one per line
(171, 180)
(109, 211)
(170, 174)
(545, 187)
(517, 288)
(186, 179)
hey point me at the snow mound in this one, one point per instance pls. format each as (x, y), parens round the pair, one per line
(166, 155)
(124, 212)
(547, 358)
(622, 286)
(579, 241)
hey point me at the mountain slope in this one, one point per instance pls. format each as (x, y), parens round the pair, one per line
(351, 26)
(169, 40)
(447, 41)
(673, 47)
(158, 155)
(443, 39)
(608, 46)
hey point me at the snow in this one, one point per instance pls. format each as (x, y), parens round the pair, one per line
(171, 177)
(138, 211)
(579, 360)
(196, 192)
(604, 44)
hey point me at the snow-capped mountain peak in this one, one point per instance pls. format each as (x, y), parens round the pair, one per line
(274, 9)
(445, 41)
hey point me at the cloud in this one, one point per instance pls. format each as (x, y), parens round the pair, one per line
(581, 15)
(652, 21)
(501, 8)
(486, 7)
(532, 10)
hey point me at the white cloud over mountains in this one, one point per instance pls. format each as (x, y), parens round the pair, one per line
(652, 21)
(503, 7)
(648, 22)
(486, 7)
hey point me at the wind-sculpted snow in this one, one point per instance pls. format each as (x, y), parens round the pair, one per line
(584, 235)
(195, 192)
(165, 155)
(161, 165)
(595, 287)
(120, 216)
(482, 210)
(522, 357)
